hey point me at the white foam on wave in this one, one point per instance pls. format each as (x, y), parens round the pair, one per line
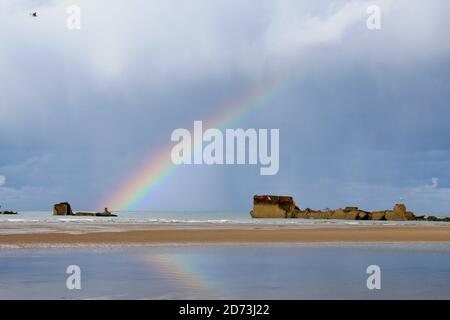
(76, 220)
(204, 218)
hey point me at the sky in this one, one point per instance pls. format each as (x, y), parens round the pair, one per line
(364, 124)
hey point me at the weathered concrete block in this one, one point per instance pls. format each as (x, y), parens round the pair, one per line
(62, 209)
(268, 206)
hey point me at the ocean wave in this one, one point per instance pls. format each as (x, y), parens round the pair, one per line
(195, 218)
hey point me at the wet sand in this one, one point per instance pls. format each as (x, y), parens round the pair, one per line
(210, 234)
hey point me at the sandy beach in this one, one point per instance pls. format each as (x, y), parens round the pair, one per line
(136, 234)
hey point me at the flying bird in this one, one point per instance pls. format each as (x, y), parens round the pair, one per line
(34, 14)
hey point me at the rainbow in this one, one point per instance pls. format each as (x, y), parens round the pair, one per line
(182, 274)
(158, 167)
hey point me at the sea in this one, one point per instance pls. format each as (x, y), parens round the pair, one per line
(207, 271)
(197, 217)
(301, 271)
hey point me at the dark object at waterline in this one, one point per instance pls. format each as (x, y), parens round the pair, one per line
(64, 209)
(8, 212)
(275, 207)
